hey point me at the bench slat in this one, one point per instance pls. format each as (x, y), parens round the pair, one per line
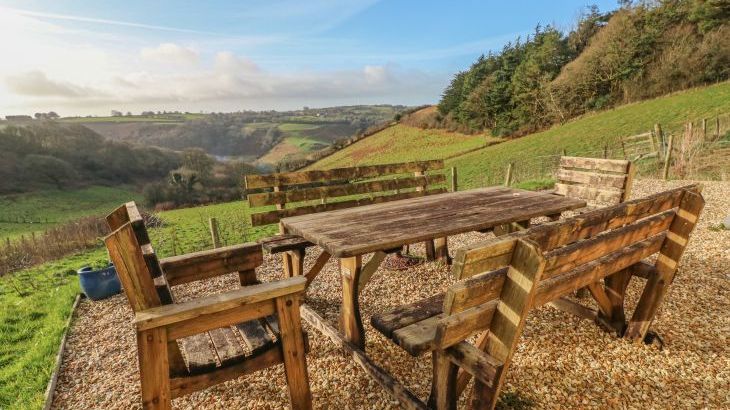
(226, 346)
(589, 193)
(597, 164)
(266, 218)
(592, 178)
(419, 337)
(311, 194)
(403, 316)
(197, 350)
(369, 171)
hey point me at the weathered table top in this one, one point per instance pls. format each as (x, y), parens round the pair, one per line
(379, 227)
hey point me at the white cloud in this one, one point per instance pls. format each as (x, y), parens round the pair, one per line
(170, 53)
(36, 84)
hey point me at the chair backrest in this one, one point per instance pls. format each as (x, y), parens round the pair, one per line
(595, 180)
(134, 259)
(366, 185)
(548, 261)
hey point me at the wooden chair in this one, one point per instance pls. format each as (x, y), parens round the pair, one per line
(188, 346)
(501, 280)
(306, 192)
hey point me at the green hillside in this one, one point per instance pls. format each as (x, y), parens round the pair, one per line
(586, 135)
(402, 143)
(21, 214)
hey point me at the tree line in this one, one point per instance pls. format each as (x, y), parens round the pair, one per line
(639, 51)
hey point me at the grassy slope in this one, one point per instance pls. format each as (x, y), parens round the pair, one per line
(590, 133)
(58, 207)
(401, 143)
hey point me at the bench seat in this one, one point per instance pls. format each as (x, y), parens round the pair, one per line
(227, 346)
(413, 326)
(283, 243)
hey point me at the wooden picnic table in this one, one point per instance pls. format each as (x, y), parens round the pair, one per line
(348, 234)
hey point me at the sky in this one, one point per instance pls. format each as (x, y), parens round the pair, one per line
(87, 58)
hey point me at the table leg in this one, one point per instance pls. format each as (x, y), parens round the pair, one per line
(350, 320)
(430, 250)
(441, 249)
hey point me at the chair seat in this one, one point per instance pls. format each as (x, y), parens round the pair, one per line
(283, 243)
(413, 326)
(223, 347)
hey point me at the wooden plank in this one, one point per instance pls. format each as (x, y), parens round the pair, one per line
(330, 191)
(362, 230)
(265, 218)
(405, 315)
(255, 336)
(574, 308)
(282, 243)
(666, 265)
(292, 347)
(198, 308)
(589, 193)
(479, 364)
(418, 337)
(322, 260)
(350, 320)
(154, 369)
(370, 268)
(405, 397)
(474, 291)
(132, 270)
(592, 178)
(597, 164)
(226, 345)
(199, 353)
(181, 386)
(515, 302)
(561, 285)
(369, 171)
(568, 257)
(213, 262)
(482, 258)
(457, 327)
(443, 385)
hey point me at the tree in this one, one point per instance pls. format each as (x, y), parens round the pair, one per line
(198, 161)
(116, 113)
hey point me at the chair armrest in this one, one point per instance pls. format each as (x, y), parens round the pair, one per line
(224, 309)
(214, 262)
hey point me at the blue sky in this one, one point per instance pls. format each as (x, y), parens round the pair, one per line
(81, 57)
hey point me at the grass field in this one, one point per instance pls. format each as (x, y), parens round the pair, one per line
(57, 207)
(31, 326)
(401, 143)
(587, 135)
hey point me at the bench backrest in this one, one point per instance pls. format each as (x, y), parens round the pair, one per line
(595, 180)
(636, 147)
(134, 259)
(293, 193)
(502, 278)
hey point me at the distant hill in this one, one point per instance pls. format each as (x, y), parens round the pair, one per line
(266, 137)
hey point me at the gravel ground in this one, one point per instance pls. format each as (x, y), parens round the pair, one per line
(561, 362)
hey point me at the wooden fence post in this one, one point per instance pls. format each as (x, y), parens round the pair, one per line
(454, 183)
(605, 151)
(508, 177)
(214, 233)
(668, 157)
(704, 129)
(717, 127)
(565, 152)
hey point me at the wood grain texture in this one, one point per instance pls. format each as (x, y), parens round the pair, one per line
(361, 230)
(369, 171)
(595, 164)
(293, 352)
(210, 263)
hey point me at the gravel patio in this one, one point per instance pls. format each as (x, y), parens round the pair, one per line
(561, 362)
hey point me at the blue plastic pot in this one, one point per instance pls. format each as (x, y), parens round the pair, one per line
(99, 284)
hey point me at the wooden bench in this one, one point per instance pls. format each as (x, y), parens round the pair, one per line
(189, 346)
(597, 181)
(501, 280)
(306, 192)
